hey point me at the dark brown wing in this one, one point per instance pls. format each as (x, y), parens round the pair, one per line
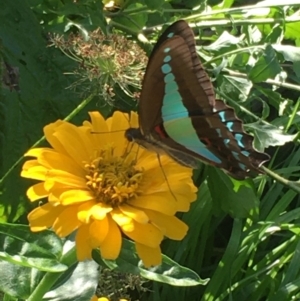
(153, 85)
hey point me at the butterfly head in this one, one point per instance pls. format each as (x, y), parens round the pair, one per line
(133, 134)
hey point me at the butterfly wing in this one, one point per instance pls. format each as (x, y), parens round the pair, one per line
(179, 113)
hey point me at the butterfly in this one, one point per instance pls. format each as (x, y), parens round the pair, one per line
(180, 116)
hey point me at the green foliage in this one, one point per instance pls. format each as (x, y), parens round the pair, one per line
(243, 236)
(168, 272)
(20, 246)
(23, 279)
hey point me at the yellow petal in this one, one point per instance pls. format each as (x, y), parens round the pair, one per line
(66, 178)
(54, 142)
(54, 160)
(53, 200)
(171, 226)
(37, 173)
(119, 123)
(155, 181)
(66, 222)
(111, 246)
(134, 213)
(121, 219)
(134, 120)
(173, 169)
(98, 122)
(35, 152)
(74, 143)
(98, 232)
(181, 187)
(184, 202)
(99, 211)
(74, 196)
(185, 195)
(146, 234)
(37, 192)
(149, 161)
(82, 245)
(49, 184)
(55, 191)
(150, 256)
(163, 202)
(99, 129)
(43, 217)
(85, 211)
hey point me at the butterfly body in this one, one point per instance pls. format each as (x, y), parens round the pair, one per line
(179, 115)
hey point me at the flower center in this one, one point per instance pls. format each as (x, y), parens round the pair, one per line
(113, 179)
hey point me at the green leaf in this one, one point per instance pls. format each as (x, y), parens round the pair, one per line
(291, 54)
(275, 99)
(134, 22)
(292, 30)
(21, 279)
(254, 35)
(86, 14)
(237, 87)
(85, 273)
(193, 4)
(266, 67)
(270, 135)
(226, 41)
(172, 273)
(22, 247)
(7, 297)
(262, 11)
(81, 29)
(154, 4)
(224, 4)
(296, 67)
(169, 271)
(275, 36)
(234, 197)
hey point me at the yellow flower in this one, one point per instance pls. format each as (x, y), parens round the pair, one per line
(95, 298)
(102, 186)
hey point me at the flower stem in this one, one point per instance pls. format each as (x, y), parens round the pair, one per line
(290, 184)
(49, 279)
(268, 81)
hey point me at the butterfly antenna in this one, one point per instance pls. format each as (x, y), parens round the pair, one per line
(165, 176)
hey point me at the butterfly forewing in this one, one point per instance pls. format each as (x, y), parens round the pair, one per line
(182, 29)
(153, 88)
